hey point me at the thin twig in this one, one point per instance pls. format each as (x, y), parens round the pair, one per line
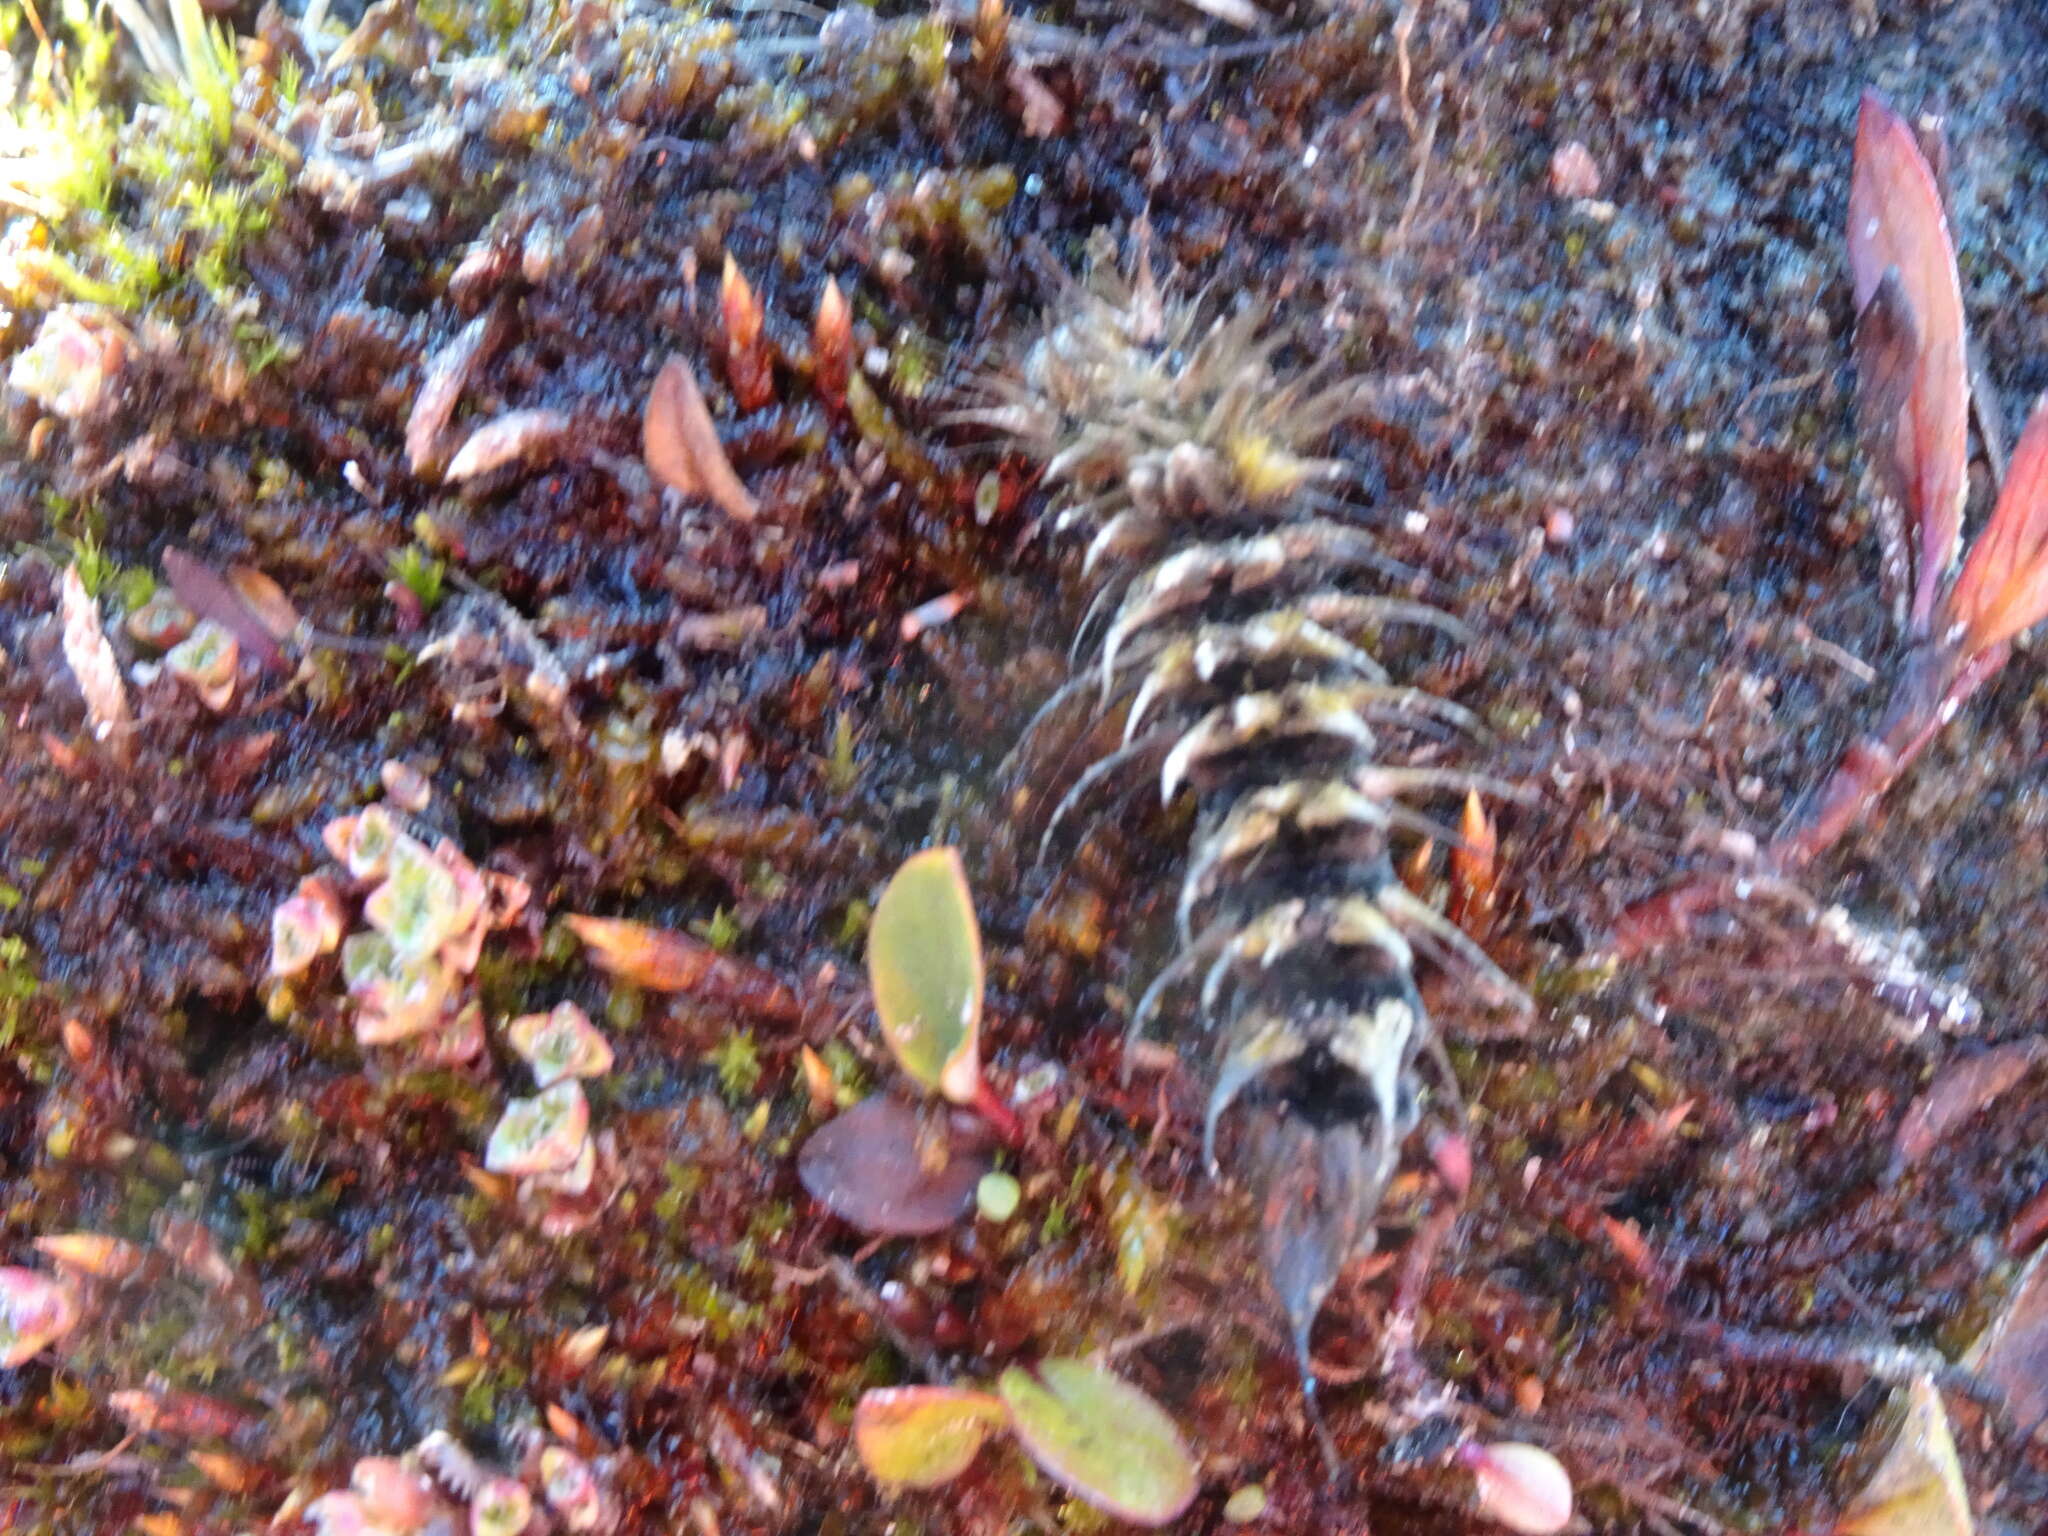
(1423, 150)
(856, 1291)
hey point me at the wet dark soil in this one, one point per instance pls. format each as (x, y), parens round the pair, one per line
(1631, 469)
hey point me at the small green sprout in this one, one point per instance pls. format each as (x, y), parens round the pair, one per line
(96, 568)
(134, 588)
(420, 574)
(842, 771)
(721, 930)
(19, 979)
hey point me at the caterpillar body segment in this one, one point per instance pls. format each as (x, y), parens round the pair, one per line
(1235, 620)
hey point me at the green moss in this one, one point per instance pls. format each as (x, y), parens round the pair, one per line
(853, 924)
(738, 1064)
(20, 980)
(721, 930)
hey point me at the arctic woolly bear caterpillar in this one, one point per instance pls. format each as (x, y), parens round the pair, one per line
(1230, 623)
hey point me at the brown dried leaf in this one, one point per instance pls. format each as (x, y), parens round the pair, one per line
(266, 599)
(1957, 1093)
(1896, 223)
(2012, 1354)
(91, 660)
(680, 443)
(2003, 589)
(1887, 345)
(665, 961)
(447, 375)
(533, 436)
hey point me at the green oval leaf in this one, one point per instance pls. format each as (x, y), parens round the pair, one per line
(920, 1437)
(924, 963)
(1101, 1437)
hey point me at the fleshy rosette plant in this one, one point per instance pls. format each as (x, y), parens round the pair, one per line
(424, 911)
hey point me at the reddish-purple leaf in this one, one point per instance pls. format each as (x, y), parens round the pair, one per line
(1887, 345)
(266, 599)
(1957, 1093)
(2012, 1355)
(2004, 585)
(874, 1167)
(1896, 223)
(209, 595)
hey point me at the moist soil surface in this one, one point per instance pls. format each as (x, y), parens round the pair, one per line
(1702, 1228)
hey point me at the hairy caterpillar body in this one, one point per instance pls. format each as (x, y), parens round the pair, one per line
(1233, 609)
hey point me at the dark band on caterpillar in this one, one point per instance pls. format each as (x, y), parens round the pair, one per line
(1233, 620)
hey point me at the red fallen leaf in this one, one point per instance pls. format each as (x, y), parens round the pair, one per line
(1896, 222)
(665, 961)
(1474, 870)
(2030, 1225)
(184, 1415)
(2003, 588)
(535, 436)
(210, 595)
(868, 1167)
(1957, 1093)
(680, 443)
(1630, 1247)
(747, 366)
(832, 342)
(2012, 1355)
